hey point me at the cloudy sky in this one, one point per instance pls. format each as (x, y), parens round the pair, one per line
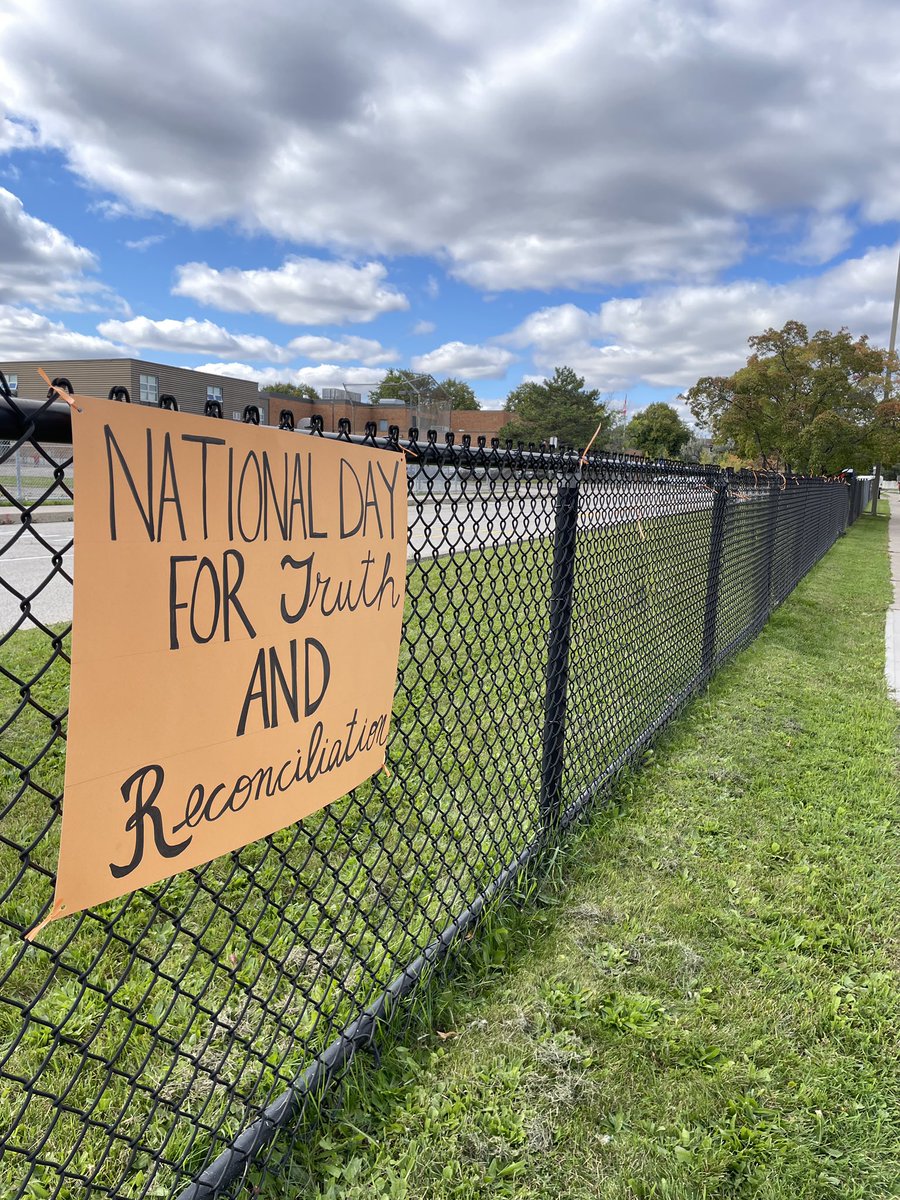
(488, 188)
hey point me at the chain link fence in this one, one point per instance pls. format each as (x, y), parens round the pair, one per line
(558, 615)
(29, 474)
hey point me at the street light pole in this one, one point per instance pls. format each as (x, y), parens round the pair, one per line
(887, 377)
(893, 344)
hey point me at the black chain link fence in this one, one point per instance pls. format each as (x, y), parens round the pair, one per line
(557, 616)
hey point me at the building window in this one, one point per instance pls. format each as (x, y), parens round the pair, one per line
(214, 393)
(382, 426)
(149, 389)
(13, 381)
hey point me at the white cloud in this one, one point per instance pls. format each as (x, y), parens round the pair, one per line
(590, 254)
(554, 328)
(29, 335)
(489, 140)
(421, 327)
(40, 265)
(322, 375)
(827, 236)
(303, 291)
(672, 336)
(114, 210)
(464, 360)
(205, 337)
(144, 243)
(191, 337)
(238, 370)
(335, 375)
(365, 350)
(14, 135)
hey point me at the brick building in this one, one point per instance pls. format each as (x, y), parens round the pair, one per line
(147, 381)
(389, 412)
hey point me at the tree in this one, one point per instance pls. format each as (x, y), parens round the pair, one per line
(412, 387)
(399, 384)
(558, 407)
(301, 390)
(811, 404)
(885, 432)
(658, 431)
(460, 394)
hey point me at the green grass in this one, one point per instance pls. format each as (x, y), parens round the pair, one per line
(262, 956)
(33, 484)
(705, 1002)
(273, 950)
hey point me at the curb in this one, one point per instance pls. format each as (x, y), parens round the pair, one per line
(892, 621)
(39, 516)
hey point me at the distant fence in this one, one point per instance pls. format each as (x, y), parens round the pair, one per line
(29, 474)
(861, 495)
(558, 615)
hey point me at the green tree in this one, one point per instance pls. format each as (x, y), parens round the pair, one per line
(400, 384)
(813, 404)
(558, 407)
(658, 431)
(301, 390)
(424, 392)
(460, 394)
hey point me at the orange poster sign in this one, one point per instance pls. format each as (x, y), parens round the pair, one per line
(238, 603)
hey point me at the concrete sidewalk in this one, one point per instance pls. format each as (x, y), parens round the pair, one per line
(892, 626)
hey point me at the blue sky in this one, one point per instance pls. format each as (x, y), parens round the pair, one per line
(318, 192)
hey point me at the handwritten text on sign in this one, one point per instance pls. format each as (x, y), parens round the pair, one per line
(238, 601)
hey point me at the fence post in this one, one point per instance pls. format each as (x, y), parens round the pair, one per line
(716, 546)
(561, 588)
(771, 546)
(19, 474)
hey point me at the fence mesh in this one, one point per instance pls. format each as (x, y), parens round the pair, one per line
(557, 616)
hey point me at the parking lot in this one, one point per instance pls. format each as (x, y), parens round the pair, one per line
(457, 522)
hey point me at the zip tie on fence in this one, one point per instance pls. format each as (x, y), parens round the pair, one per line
(584, 455)
(69, 399)
(387, 771)
(57, 911)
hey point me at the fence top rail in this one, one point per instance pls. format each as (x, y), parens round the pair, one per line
(50, 420)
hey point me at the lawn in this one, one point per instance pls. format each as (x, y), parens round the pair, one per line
(248, 967)
(704, 1003)
(164, 1018)
(32, 483)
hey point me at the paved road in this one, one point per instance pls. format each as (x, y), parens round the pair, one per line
(25, 563)
(470, 522)
(460, 523)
